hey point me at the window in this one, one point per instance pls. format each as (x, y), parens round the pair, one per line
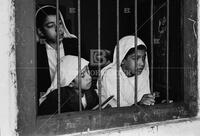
(181, 53)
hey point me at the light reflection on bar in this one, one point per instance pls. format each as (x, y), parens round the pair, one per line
(152, 45)
(99, 49)
(136, 77)
(58, 54)
(79, 53)
(167, 91)
(118, 65)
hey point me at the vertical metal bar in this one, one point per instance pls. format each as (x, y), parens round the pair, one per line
(152, 50)
(79, 54)
(136, 77)
(118, 65)
(167, 52)
(58, 53)
(99, 51)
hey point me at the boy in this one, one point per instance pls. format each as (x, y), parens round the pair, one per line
(127, 73)
(47, 45)
(69, 88)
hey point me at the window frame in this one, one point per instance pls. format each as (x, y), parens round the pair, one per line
(29, 123)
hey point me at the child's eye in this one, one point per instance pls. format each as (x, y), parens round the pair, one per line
(133, 58)
(143, 58)
(87, 70)
(50, 25)
(82, 75)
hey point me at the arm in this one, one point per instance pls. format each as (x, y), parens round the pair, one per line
(69, 100)
(109, 87)
(92, 99)
(147, 99)
(144, 95)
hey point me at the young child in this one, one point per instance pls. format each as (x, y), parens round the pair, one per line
(69, 88)
(47, 32)
(127, 72)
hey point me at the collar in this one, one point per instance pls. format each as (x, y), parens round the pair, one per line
(49, 47)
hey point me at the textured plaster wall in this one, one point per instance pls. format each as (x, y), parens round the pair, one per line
(198, 42)
(8, 106)
(183, 127)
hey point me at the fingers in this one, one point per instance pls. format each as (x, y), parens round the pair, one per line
(149, 96)
(147, 103)
(148, 99)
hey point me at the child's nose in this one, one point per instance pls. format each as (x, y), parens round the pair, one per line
(61, 29)
(140, 62)
(89, 78)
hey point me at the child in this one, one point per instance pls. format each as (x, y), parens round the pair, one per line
(47, 45)
(127, 74)
(69, 88)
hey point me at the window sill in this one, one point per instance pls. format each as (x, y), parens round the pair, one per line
(109, 118)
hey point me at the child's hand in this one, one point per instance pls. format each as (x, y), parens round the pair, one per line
(147, 99)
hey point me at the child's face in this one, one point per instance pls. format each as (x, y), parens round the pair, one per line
(49, 29)
(86, 79)
(129, 63)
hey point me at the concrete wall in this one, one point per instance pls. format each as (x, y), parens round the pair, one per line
(8, 92)
(8, 113)
(182, 127)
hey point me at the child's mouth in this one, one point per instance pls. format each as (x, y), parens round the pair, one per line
(139, 71)
(61, 36)
(89, 84)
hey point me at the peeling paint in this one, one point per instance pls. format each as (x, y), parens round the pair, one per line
(12, 68)
(194, 30)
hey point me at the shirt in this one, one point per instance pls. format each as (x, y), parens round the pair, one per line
(52, 58)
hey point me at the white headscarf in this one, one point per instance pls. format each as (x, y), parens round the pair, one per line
(68, 72)
(127, 84)
(67, 34)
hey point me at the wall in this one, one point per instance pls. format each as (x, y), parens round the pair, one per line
(8, 114)
(167, 128)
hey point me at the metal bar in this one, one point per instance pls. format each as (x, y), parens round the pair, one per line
(79, 54)
(136, 78)
(167, 91)
(152, 50)
(118, 65)
(58, 54)
(99, 52)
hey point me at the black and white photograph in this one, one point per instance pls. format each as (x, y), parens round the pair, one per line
(100, 67)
